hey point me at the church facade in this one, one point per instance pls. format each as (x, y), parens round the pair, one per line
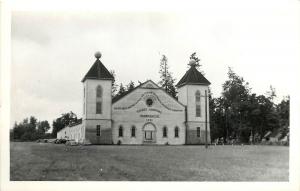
(144, 115)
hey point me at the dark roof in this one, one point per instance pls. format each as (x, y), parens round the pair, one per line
(98, 71)
(192, 76)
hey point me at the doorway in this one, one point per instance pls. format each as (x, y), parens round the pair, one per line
(149, 132)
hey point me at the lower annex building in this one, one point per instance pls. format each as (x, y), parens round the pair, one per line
(144, 115)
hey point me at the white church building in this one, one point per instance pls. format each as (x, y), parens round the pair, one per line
(144, 115)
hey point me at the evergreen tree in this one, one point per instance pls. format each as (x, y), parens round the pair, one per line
(167, 81)
(121, 91)
(236, 93)
(130, 86)
(283, 109)
(114, 86)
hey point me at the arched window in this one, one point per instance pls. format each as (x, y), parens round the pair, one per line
(198, 131)
(121, 131)
(133, 129)
(99, 100)
(165, 132)
(176, 132)
(198, 103)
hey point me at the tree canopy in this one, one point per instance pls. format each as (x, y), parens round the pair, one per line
(63, 121)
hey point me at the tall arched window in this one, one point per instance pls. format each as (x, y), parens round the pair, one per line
(198, 103)
(98, 130)
(99, 100)
(176, 132)
(120, 131)
(198, 131)
(133, 129)
(165, 131)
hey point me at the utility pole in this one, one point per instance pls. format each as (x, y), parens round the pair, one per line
(206, 119)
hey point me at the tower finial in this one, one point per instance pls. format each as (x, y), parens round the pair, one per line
(194, 61)
(98, 55)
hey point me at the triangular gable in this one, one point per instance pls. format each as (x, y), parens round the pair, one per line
(149, 84)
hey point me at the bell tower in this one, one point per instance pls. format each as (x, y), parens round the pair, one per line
(97, 100)
(193, 93)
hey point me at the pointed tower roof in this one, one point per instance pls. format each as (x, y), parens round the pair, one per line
(98, 70)
(192, 77)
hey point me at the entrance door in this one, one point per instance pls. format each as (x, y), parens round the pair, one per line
(149, 132)
(149, 135)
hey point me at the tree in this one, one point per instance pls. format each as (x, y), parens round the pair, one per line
(271, 94)
(196, 63)
(43, 127)
(167, 81)
(217, 117)
(283, 109)
(236, 102)
(121, 91)
(63, 121)
(238, 114)
(114, 86)
(130, 86)
(29, 129)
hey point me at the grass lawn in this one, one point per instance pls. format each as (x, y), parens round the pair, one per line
(47, 161)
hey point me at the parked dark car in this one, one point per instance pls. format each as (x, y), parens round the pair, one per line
(60, 141)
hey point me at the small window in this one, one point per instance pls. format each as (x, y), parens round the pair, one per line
(165, 132)
(120, 131)
(98, 130)
(133, 129)
(198, 131)
(176, 132)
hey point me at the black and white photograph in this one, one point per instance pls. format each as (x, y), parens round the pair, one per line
(129, 92)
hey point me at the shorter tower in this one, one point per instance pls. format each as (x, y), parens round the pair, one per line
(193, 93)
(97, 121)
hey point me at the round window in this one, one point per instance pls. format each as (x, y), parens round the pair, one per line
(149, 102)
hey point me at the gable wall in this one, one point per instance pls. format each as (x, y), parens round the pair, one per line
(133, 110)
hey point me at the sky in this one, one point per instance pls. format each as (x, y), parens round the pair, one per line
(53, 47)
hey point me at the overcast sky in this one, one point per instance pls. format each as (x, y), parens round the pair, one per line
(52, 51)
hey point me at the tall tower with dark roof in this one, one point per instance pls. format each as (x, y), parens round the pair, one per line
(97, 101)
(192, 88)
